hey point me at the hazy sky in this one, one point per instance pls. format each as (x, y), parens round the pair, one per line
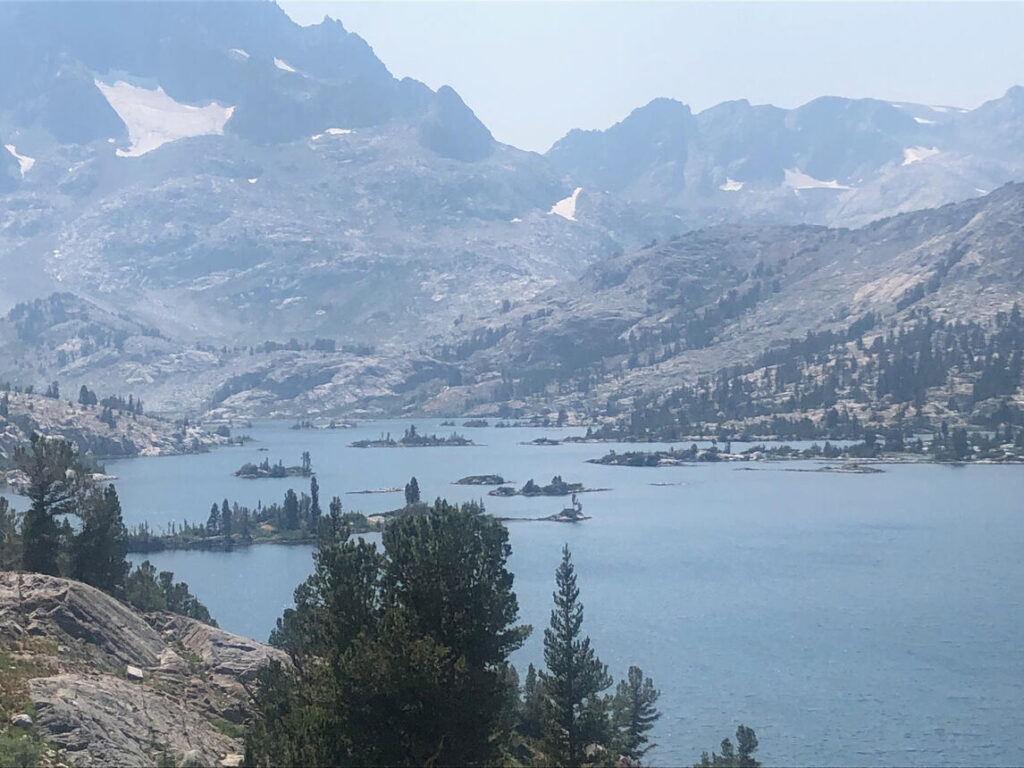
(532, 70)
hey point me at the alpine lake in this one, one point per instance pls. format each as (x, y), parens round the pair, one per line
(850, 619)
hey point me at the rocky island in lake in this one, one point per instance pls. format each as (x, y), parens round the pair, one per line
(265, 469)
(482, 480)
(413, 439)
(557, 487)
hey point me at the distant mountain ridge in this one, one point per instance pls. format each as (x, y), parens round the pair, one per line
(831, 161)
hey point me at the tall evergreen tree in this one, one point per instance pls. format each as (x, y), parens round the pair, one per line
(575, 676)
(401, 657)
(314, 504)
(225, 519)
(53, 490)
(412, 492)
(634, 713)
(99, 550)
(290, 511)
(213, 521)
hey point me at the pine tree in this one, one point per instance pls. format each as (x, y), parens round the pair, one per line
(412, 492)
(99, 550)
(213, 521)
(53, 490)
(314, 504)
(290, 511)
(634, 713)
(574, 677)
(5, 406)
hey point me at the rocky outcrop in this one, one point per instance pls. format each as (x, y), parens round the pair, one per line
(103, 720)
(89, 626)
(122, 434)
(115, 687)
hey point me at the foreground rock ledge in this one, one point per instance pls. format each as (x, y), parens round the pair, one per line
(187, 707)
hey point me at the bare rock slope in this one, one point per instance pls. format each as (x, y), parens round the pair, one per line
(84, 650)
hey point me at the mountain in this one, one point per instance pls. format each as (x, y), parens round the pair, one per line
(832, 161)
(654, 319)
(212, 208)
(226, 174)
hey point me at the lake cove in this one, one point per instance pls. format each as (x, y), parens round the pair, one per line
(850, 619)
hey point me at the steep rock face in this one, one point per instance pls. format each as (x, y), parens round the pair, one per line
(97, 711)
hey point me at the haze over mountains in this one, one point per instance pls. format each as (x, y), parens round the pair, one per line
(196, 179)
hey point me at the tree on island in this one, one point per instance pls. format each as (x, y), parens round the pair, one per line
(213, 521)
(290, 511)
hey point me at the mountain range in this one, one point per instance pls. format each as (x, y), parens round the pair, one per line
(223, 212)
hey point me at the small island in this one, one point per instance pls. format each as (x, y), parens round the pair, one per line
(571, 514)
(482, 480)
(557, 487)
(265, 469)
(476, 423)
(413, 439)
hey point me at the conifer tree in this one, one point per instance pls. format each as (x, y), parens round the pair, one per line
(53, 488)
(412, 492)
(634, 713)
(290, 511)
(575, 676)
(99, 550)
(314, 504)
(213, 521)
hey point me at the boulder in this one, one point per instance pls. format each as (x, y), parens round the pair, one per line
(22, 721)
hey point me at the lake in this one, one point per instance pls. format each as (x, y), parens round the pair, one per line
(849, 619)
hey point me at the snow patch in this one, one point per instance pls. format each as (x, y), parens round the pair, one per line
(799, 180)
(153, 118)
(332, 132)
(516, 220)
(922, 121)
(284, 66)
(731, 185)
(939, 109)
(917, 154)
(25, 163)
(239, 53)
(252, 181)
(566, 208)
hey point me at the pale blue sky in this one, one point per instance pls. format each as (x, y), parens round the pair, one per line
(533, 70)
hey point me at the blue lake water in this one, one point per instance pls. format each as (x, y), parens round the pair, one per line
(849, 619)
